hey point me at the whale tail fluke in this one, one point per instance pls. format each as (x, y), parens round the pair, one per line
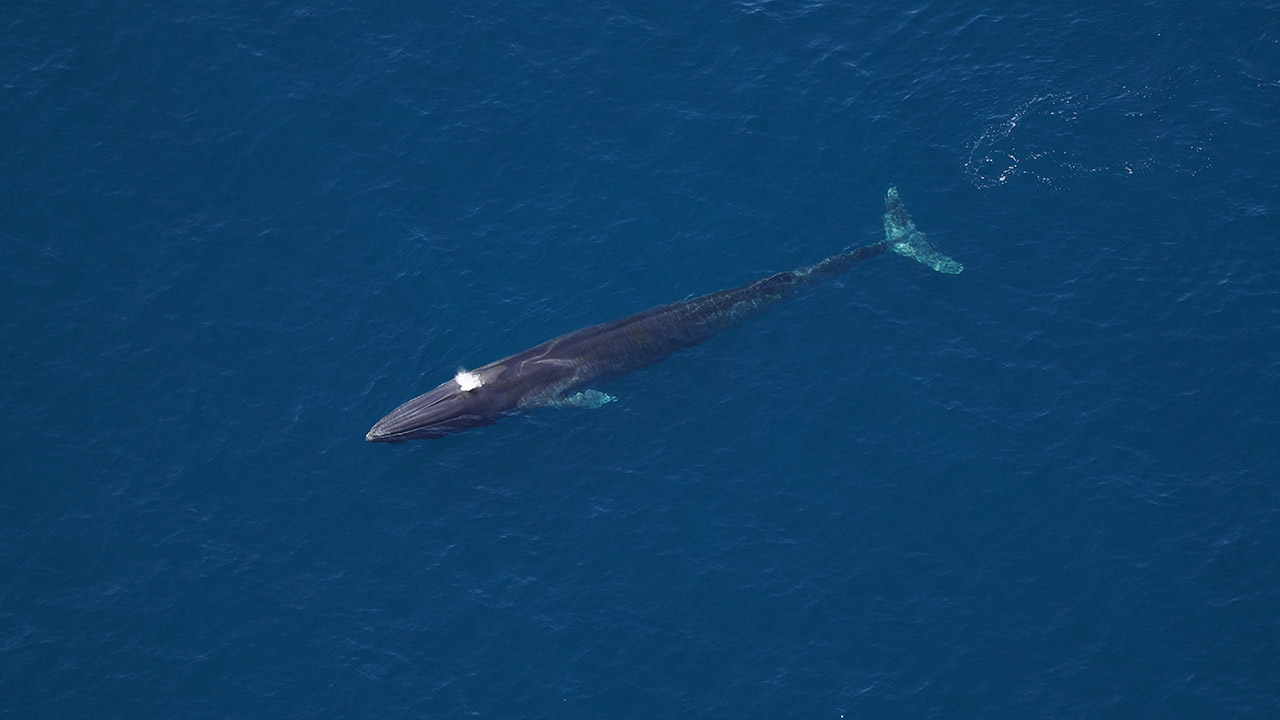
(903, 237)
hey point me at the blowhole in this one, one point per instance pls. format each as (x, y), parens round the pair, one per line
(467, 381)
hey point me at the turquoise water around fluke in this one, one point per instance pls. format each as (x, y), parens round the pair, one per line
(900, 231)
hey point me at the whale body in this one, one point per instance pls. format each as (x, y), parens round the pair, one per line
(560, 371)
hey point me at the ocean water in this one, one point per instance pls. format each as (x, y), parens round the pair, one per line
(233, 235)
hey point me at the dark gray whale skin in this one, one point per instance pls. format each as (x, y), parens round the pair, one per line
(554, 372)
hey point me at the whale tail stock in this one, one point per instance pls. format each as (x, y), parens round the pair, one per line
(903, 237)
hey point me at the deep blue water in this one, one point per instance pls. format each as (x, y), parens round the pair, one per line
(233, 235)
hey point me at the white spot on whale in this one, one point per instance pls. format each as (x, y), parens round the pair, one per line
(467, 381)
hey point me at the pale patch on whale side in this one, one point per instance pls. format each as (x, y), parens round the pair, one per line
(467, 381)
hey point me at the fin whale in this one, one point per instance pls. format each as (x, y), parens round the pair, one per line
(558, 371)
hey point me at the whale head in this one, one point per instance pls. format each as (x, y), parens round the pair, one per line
(469, 400)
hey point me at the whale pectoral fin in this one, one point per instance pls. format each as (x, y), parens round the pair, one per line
(587, 399)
